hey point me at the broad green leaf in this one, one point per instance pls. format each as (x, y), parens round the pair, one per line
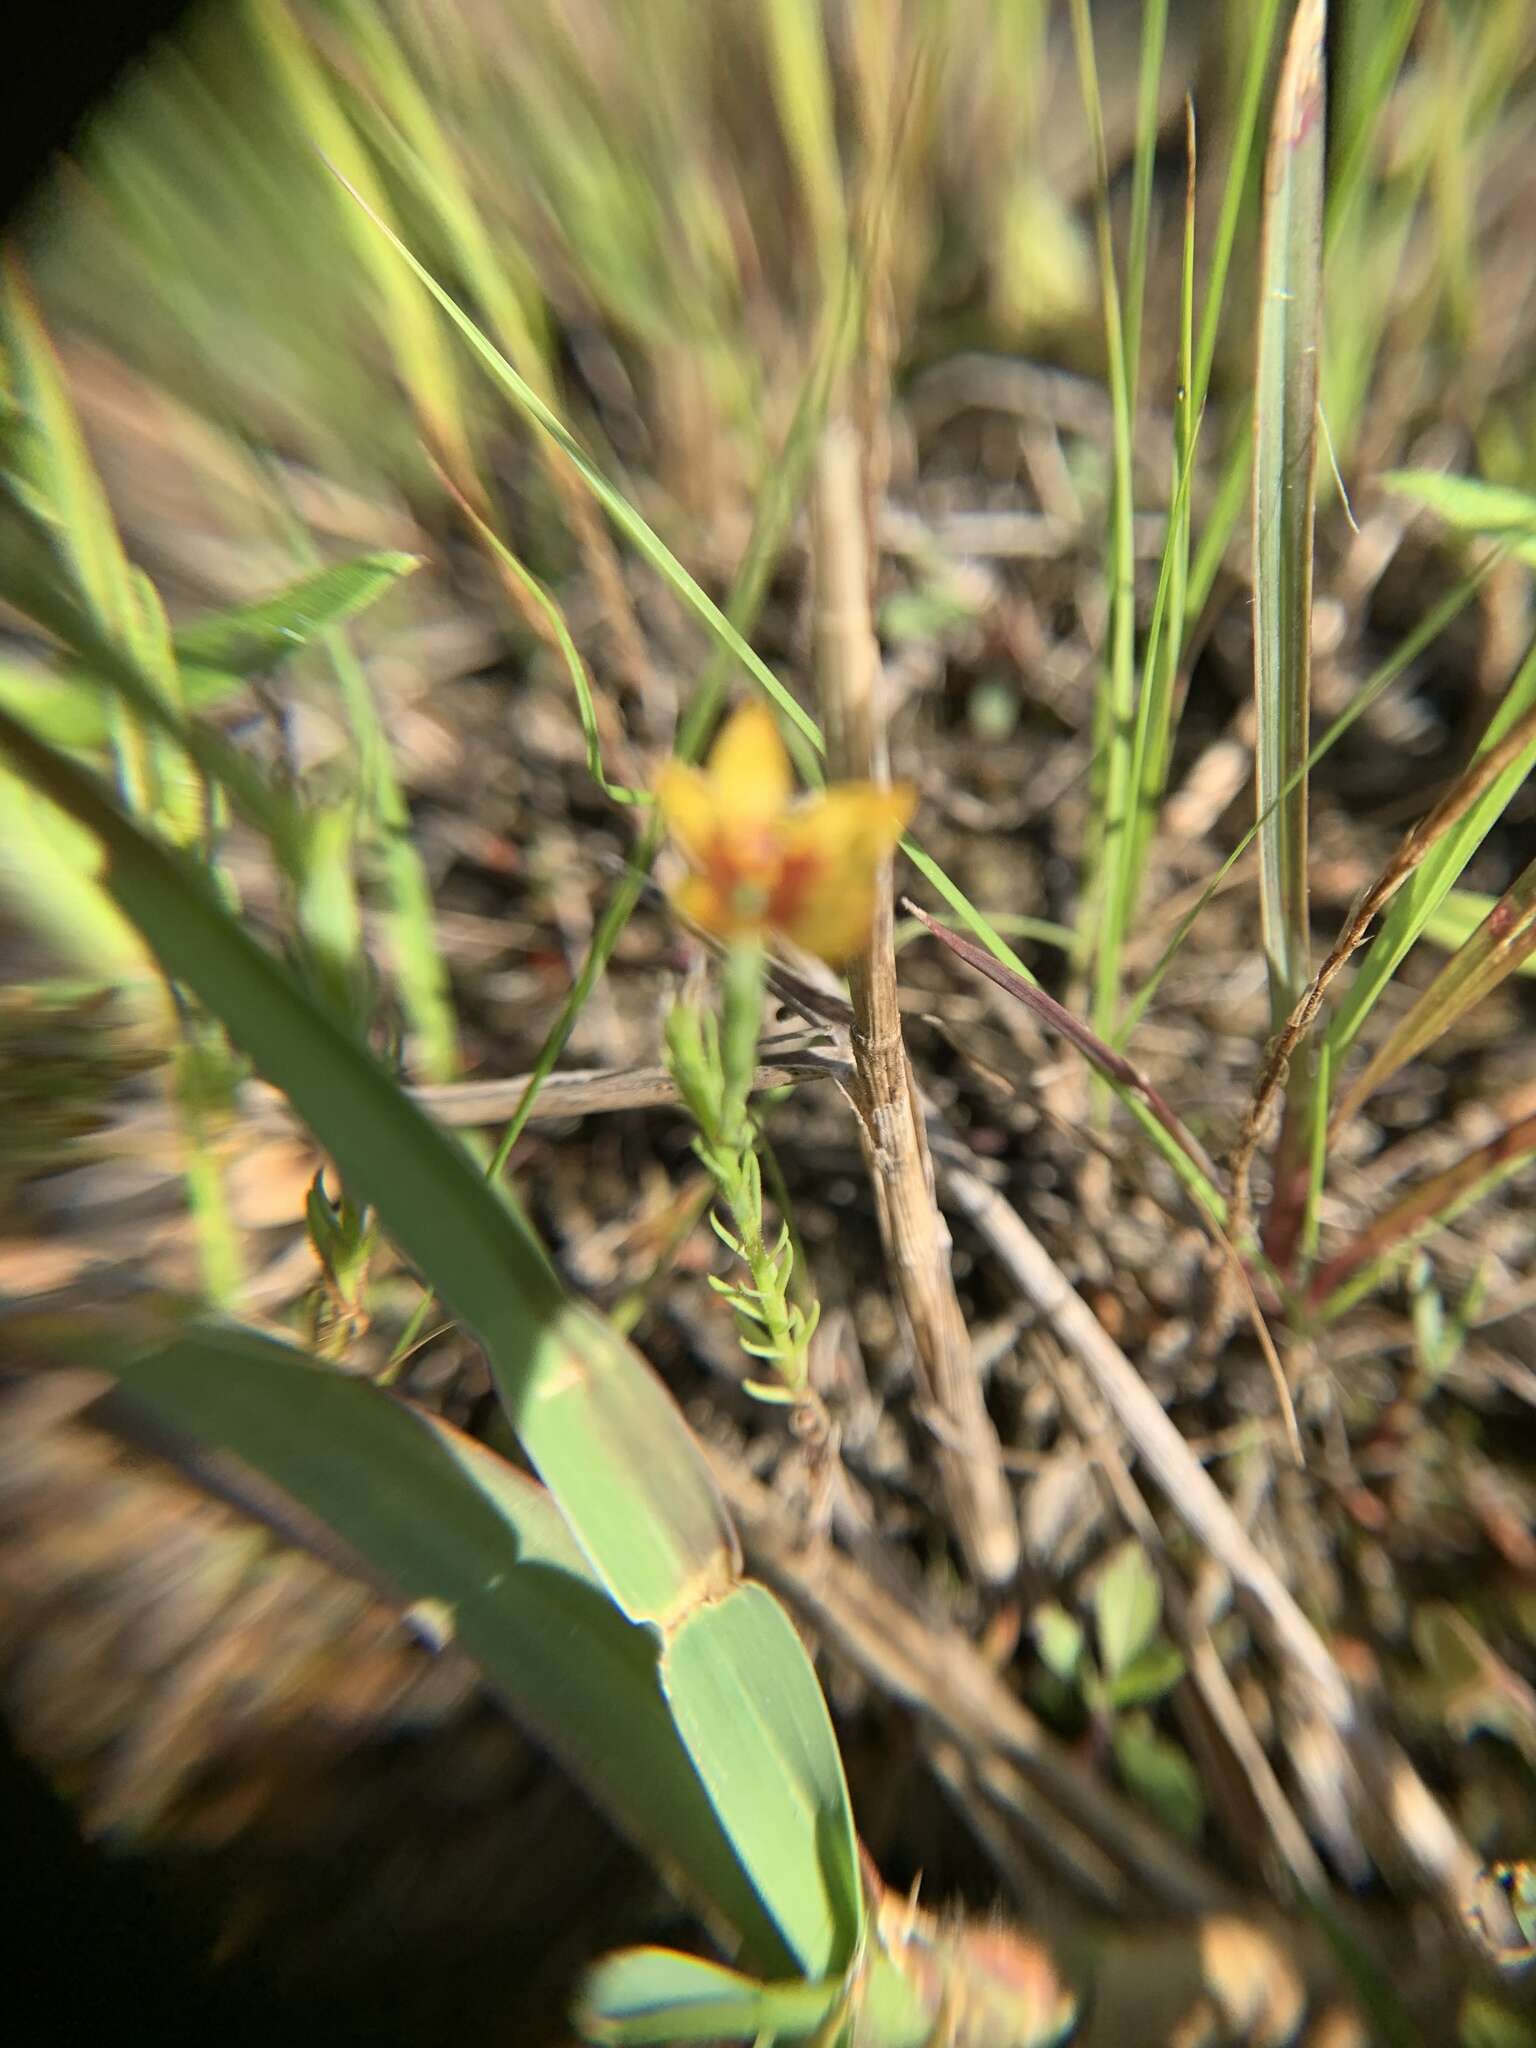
(1472, 506)
(657, 1995)
(596, 1422)
(752, 1717)
(1147, 1676)
(1127, 1606)
(250, 638)
(1059, 1640)
(442, 1519)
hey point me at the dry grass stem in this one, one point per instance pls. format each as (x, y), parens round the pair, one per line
(1421, 1829)
(883, 1091)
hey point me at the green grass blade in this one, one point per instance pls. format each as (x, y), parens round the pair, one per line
(795, 31)
(440, 1518)
(1260, 37)
(47, 468)
(762, 1744)
(1502, 944)
(250, 639)
(1423, 635)
(672, 571)
(1115, 710)
(1155, 706)
(1458, 917)
(1472, 506)
(515, 572)
(1154, 36)
(49, 882)
(1138, 1094)
(1424, 891)
(596, 1422)
(415, 338)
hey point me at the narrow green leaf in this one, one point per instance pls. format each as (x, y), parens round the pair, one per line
(1424, 891)
(597, 1423)
(441, 1518)
(1503, 943)
(251, 638)
(1472, 506)
(47, 468)
(752, 1717)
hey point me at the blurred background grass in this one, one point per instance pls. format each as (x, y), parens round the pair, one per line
(655, 209)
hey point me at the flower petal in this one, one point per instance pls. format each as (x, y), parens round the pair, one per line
(749, 771)
(701, 902)
(688, 808)
(833, 851)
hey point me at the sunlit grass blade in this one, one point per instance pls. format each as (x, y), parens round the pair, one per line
(1259, 35)
(795, 31)
(415, 338)
(1403, 656)
(439, 1518)
(1284, 489)
(1155, 705)
(1503, 943)
(1458, 917)
(522, 579)
(1436, 871)
(47, 469)
(1115, 707)
(1362, 1265)
(1193, 1166)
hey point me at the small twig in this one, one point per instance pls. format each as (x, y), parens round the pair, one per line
(1421, 1827)
(883, 1091)
(1056, 1017)
(466, 1105)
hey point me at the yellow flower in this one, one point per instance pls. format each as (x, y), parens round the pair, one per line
(762, 861)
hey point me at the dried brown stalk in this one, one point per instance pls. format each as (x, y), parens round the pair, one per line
(882, 1090)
